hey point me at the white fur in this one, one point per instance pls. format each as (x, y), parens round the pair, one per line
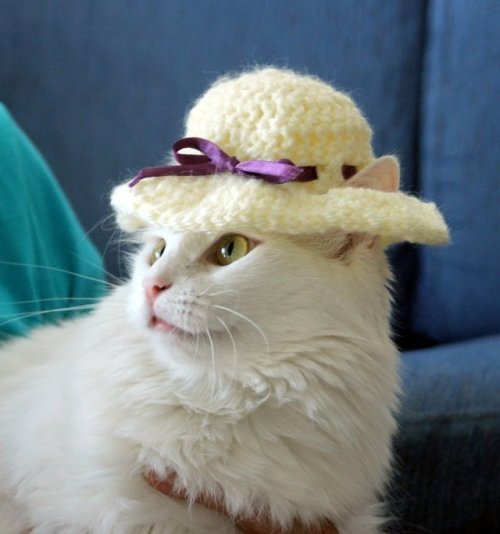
(283, 404)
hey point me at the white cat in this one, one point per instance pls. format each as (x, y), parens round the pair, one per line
(258, 368)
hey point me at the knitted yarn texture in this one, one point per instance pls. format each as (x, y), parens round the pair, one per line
(272, 114)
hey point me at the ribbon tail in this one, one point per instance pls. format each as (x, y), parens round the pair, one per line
(197, 169)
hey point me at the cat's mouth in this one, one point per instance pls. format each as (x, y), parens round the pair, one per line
(164, 326)
(160, 324)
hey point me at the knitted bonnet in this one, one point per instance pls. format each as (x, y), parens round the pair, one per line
(267, 116)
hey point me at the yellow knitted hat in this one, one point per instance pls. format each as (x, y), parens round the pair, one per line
(269, 115)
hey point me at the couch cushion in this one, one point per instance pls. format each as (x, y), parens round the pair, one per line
(457, 379)
(448, 446)
(459, 286)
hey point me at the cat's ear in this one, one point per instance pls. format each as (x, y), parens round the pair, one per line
(381, 175)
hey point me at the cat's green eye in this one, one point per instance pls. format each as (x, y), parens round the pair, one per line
(231, 248)
(157, 251)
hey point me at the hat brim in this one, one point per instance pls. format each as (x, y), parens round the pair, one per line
(228, 202)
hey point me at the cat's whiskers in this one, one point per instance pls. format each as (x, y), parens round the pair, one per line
(52, 299)
(232, 341)
(113, 227)
(222, 292)
(27, 315)
(195, 355)
(245, 318)
(123, 238)
(13, 317)
(114, 279)
(112, 240)
(205, 290)
(100, 222)
(212, 400)
(121, 241)
(58, 270)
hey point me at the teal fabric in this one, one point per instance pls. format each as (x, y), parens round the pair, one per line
(46, 261)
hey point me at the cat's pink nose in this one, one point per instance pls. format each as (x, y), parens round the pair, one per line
(153, 288)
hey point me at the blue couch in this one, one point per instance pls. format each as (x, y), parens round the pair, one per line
(102, 88)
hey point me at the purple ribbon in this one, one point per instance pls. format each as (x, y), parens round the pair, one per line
(214, 160)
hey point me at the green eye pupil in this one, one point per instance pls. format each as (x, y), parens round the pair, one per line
(157, 251)
(231, 249)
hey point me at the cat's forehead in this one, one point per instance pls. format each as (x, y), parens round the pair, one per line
(182, 240)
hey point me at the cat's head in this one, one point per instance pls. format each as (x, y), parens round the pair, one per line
(224, 301)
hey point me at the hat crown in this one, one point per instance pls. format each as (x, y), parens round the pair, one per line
(273, 114)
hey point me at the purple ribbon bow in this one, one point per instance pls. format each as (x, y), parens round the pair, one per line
(213, 160)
